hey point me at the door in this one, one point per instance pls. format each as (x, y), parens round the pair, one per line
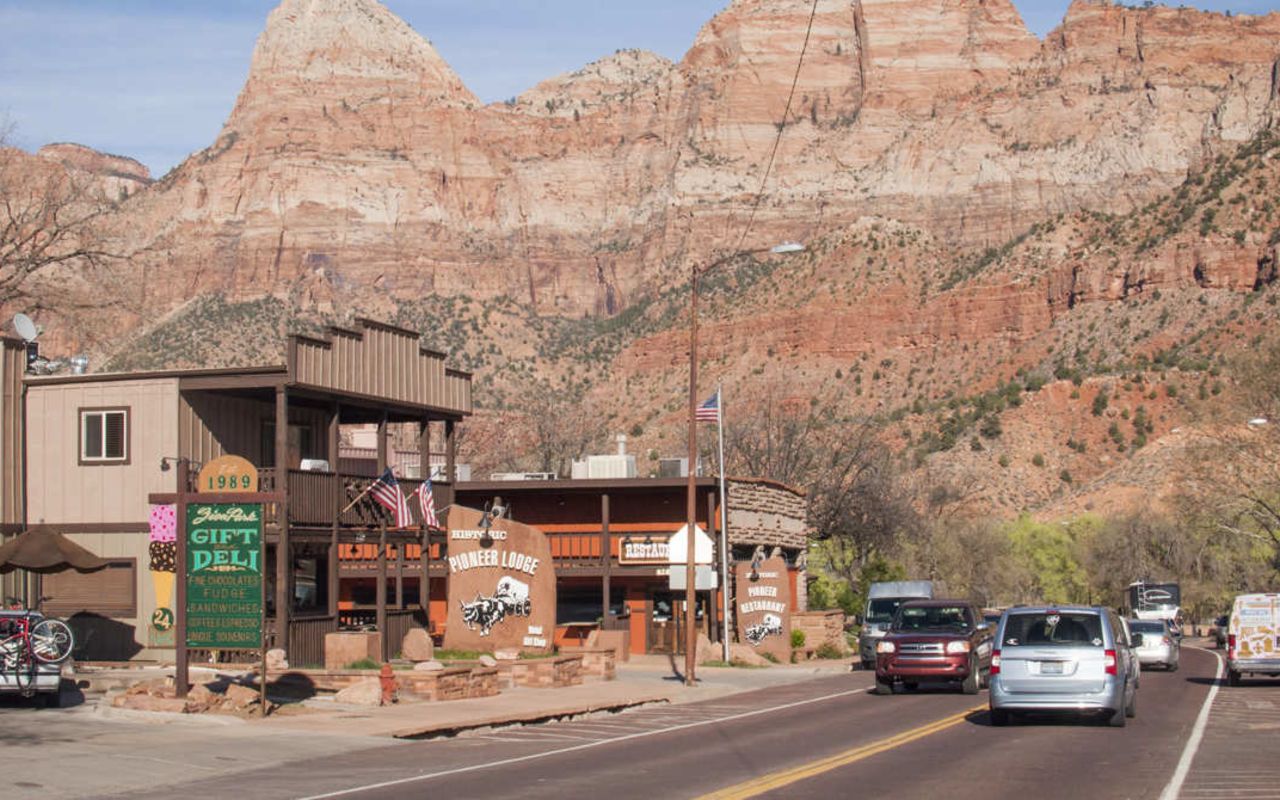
(665, 632)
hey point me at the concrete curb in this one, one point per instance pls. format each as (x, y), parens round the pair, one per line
(448, 729)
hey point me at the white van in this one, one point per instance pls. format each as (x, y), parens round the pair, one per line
(1253, 637)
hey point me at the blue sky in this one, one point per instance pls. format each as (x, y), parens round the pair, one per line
(155, 79)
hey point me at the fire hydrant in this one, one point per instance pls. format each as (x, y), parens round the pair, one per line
(388, 679)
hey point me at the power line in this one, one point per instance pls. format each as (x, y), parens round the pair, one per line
(782, 126)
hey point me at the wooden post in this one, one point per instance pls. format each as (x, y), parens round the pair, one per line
(605, 559)
(180, 612)
(451, 461)
(424, 559)
(284, 556)
(712, 627)
(382, 546)
(399, 574)
(335, 420)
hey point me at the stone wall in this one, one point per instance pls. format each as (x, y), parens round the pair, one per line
(599, 662)
(546, 673)
(451, 683)
(821, 627)
(768, 513)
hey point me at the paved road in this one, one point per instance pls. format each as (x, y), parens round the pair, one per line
(926, 744)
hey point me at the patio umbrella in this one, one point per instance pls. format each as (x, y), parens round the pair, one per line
(45, 552)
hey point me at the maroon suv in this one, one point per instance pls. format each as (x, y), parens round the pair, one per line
(934, 640)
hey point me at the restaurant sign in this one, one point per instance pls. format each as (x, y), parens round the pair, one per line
(644, 551)
(224, 574)
(763, 606)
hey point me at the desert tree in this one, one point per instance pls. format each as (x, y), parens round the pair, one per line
(1232, 472)
(50, 215)
(857, 502)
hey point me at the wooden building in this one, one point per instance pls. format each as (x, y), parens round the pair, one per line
(631, 520)
(13, 365)
(100, 451)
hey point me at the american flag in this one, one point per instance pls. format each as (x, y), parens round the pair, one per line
(709, 411)
(427, 502)
(388, 495)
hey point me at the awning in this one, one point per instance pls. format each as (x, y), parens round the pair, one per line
(45, 552)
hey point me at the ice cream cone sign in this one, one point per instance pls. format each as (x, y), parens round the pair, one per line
(163, 551)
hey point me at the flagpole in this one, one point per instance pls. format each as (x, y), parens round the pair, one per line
(360, 496)
(724, 533)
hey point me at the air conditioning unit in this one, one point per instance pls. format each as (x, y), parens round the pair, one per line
(677, 467)
(522, 476)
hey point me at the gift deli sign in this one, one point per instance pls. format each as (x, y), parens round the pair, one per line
(225, 556)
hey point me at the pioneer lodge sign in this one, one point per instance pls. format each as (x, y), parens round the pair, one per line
(502, 587)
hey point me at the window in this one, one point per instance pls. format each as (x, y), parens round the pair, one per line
(1053, 629)
(104, 436)
(932, 618)
(110, 592)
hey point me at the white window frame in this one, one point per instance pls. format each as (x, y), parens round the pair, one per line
(103, 414)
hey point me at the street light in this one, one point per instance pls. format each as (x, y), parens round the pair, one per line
(690, 593)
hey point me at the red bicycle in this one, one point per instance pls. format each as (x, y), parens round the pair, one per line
(29, 640)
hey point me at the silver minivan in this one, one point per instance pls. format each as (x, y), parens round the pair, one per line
(1063, 658)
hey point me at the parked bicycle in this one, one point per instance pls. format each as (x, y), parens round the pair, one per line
(30, 640)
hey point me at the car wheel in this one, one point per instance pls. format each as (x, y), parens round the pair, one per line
(1233, 678)
(868, 665)
(999, 717)
(1117, 719)
(1173, 667)
(1131, 710)
(884, 687)
(972, 680)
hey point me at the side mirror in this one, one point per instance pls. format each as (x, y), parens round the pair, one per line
(1135, 640)
(984, 626)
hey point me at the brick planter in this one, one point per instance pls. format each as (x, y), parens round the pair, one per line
(548, 673)
(600, 663)
(452, 683)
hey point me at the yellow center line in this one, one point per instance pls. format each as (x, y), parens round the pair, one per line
(767, 783)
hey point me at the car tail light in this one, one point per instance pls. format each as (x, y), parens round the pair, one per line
(1231, 646)
(957, 647)
(1109, 660)
(1166, 640)
(995, 663)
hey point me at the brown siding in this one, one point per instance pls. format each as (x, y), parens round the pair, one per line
(61, 491)
(13, 363)
(212, 424)
(380, 361)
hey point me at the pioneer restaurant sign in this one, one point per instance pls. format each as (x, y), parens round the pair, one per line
(224, 575)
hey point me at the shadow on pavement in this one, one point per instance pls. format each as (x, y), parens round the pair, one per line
(1041, 719)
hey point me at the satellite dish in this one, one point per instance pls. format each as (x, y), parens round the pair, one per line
(25, 327)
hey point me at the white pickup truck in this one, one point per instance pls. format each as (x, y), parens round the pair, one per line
(1253, 637)
(47, 678)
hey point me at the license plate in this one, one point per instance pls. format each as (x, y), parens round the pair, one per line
(1050, 667)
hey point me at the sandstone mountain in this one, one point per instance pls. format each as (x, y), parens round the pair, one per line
(980, 207)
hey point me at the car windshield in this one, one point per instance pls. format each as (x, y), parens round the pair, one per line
(1053, 629)
(883, 609)
(1146, 627)
(931, 618)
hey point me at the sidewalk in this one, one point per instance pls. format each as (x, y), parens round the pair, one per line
(643, 680)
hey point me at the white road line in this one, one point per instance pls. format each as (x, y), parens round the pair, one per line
(577, 748)
(1174, 787)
